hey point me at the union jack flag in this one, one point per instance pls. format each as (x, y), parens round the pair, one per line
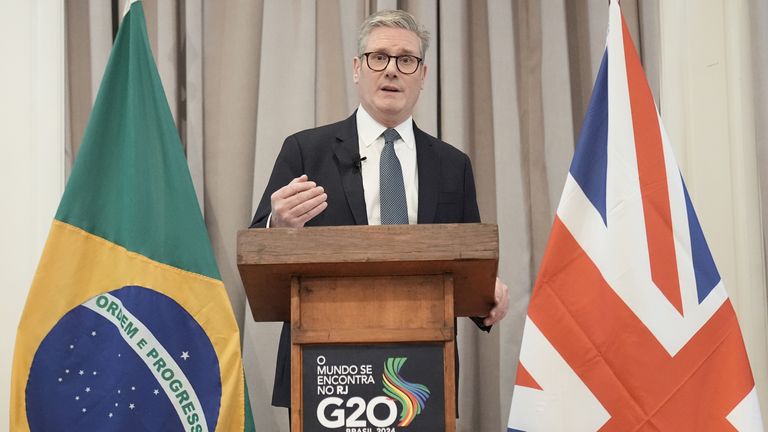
(629, 327)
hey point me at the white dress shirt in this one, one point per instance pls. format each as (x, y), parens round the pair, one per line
(371, 143)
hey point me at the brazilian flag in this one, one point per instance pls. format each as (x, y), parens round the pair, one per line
(127, 326)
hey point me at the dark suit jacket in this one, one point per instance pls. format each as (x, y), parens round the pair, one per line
(328, 155)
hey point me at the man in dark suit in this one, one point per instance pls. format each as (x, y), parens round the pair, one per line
(375, 167)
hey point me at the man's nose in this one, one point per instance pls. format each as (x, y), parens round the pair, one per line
(391, 69)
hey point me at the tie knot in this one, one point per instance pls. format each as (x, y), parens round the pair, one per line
(390, 135)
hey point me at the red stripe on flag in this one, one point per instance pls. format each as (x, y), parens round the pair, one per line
(524, 378)
(653, 178)
(620, 360)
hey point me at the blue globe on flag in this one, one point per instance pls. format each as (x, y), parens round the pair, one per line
(130, 359)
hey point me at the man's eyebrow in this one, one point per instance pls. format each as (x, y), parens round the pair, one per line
(405, 51)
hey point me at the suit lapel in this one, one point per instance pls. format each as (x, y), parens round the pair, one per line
(346, 149)
(428, 163)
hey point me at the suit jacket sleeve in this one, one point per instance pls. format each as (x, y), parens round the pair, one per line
(472, 215)
(471, 212)
(288, 166)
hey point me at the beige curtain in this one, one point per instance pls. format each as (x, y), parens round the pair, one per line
(708, 83)
(759, 34)
(508, 83)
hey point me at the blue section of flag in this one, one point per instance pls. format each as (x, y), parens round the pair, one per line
(85, 376)
(707, 276)
(590, 161)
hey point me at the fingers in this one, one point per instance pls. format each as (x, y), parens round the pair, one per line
(301, 178)
(313, 212)
(501, 306)
(297, 185)
(306, 196)
(297, 202)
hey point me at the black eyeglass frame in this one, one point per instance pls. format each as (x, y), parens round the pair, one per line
(389, 59)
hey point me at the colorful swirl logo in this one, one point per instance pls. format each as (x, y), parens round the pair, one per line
(412, 397)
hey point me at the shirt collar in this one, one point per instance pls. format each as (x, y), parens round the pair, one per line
(369, 130)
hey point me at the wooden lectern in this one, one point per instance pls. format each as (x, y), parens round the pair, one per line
(367, 285)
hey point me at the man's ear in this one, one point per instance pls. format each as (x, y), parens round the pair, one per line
(423, 74)
(356, 63)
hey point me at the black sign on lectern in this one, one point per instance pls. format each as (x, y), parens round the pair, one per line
(373, 388)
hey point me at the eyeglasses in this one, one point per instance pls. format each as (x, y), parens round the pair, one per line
(378, 61)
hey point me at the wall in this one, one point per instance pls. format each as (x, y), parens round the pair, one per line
(32, 131)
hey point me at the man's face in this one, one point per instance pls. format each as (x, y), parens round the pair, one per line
(389, 95)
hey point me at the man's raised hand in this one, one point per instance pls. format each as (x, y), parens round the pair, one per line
(297, 202)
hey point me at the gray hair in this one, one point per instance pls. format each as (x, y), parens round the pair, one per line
(392, 19)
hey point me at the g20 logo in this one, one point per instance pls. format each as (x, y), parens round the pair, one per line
(331, 414)
(334, 412)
